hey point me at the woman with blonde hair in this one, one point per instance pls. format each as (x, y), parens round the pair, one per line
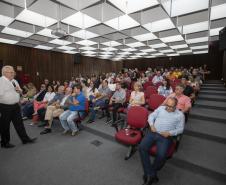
(137, 96)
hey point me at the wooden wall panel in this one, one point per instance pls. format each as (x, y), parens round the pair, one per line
(53, 65)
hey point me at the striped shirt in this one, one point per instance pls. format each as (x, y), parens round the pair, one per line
(164, 121)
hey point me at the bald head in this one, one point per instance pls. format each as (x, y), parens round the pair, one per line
(171, 104)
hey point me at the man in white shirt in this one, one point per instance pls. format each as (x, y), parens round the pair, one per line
(10, 109)
(157, 78)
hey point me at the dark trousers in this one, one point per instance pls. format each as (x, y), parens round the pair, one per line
(41, 114)
(162, 144)
(11, 113)
(115, 106)
(28, 109)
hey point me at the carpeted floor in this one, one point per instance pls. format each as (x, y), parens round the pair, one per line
(64, 160)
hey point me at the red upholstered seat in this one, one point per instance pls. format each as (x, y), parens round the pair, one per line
(149, 91)
(137, 119)
(155, 100)
(146, 84)
(129, 139)
(170, 151)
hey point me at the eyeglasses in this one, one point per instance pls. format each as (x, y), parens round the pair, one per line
(170, 107)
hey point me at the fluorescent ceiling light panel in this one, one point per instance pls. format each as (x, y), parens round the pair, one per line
(111, 43)
(167, 51)
(185, 51)
(142, 53)
(7, 41)
(173, 54)
(60, 42)
(5, 20)
(89, 52)
(124, 53)
(200, 52)
(199, 47)
(109, 49)
(160, 45)
(197, 40)
(135, 44)
(179, 46)
(35, 18)
(144, 37)
(215, 31)
(148, 50)
(156, 26)
(66, 48)
(157, 54)
(172, 38)
(80, 20)
(70, 52)
(43, 47)
(121, 23)
(192, 28)
(129, 49)
(180, 7)
(150, 56)
(47, 33)
(84, 34)
(218, 12)
(87, 48)
(129, 6)
(20, 33)
(86, 42)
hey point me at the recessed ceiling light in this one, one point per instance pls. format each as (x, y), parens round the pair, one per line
(8, 41)
(20, 33)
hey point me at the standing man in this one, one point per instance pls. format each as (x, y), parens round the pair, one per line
(10, 109)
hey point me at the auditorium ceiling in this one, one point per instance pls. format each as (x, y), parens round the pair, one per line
(114, 29)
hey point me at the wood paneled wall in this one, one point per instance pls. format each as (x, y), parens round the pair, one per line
(224, 66)
(53, 65)
(213, 60)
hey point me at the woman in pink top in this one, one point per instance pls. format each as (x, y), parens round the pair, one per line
(184, 102)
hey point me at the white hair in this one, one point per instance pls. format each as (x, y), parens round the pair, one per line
(5, 68)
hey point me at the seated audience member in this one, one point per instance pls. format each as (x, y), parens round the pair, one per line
(30, 90)
(195, 85)
(166, 121)
(126, 78)
(188, 90)
(100, 100)
(77, 103)
(116, 101)
(112, 85)
(137, 96)
(184, 102)
(84, 88)
(56, 107)
(27, 108)
(48, 97)
(165, 89)
(46, 82)
(157, 78)
(143, 78)
(91, 90)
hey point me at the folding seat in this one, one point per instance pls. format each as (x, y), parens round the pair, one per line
(146, 84)
(155, 100)
(136, 120)
(82, 114)
(149, 91)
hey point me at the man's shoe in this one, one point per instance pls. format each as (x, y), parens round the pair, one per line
(109, 121)
(7, 145)
(65, 132)
(46, 131)
(150, 180)
(102, 116)
(90, 121)
(74, 133)
(29, 140)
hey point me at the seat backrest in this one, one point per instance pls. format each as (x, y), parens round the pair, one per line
(146, 84)
(158, 84)
(137, 117)
(150, 90)
(155, 100)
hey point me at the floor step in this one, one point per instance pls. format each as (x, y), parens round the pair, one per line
(208, 114)
(212, 92)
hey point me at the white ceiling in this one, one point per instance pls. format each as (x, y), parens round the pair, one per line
(114, 29)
